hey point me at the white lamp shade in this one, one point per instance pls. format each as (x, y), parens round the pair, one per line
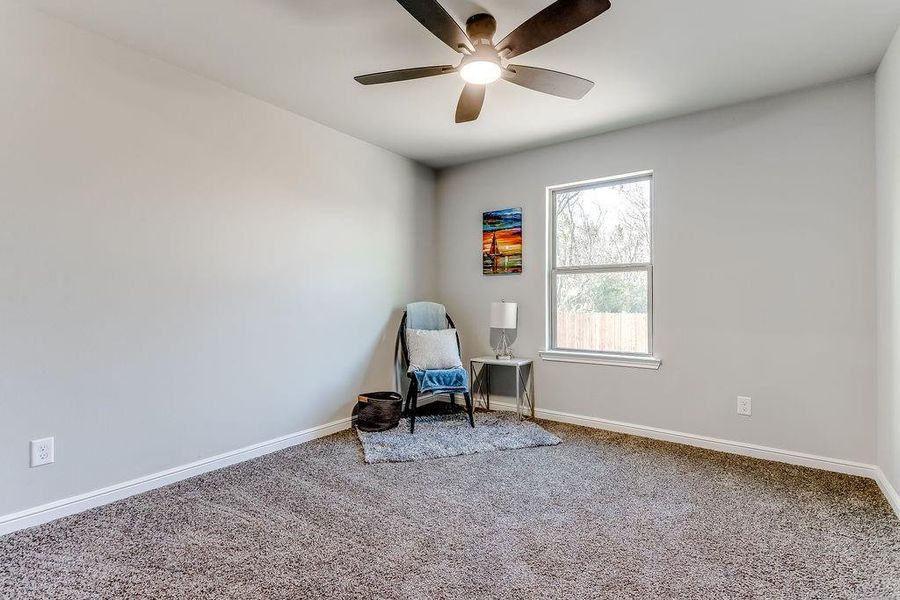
(503, 315)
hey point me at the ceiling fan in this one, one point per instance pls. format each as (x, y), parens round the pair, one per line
(483, 61)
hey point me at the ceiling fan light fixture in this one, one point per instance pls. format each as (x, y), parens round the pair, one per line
(480, 72)
(484, 62)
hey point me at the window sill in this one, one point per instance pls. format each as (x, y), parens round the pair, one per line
(597, 358)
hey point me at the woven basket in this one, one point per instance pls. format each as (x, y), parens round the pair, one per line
(377, 411)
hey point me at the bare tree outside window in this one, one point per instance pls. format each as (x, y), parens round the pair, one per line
(601, 271)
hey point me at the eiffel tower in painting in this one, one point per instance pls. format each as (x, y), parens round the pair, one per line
(495, 255)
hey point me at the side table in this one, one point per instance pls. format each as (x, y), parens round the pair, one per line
(524, 387)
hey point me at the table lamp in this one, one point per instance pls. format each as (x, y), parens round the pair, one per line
(503, 317)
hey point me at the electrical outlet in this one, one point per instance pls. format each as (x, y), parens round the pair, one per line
(42, 452)
(744, 405)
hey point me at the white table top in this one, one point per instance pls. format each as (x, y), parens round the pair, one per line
(510, 362)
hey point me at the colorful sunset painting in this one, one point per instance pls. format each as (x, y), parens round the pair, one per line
(501, 242)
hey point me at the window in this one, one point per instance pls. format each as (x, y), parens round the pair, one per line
(600, 280)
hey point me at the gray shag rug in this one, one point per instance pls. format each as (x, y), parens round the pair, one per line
(602, 515)
(440, 436)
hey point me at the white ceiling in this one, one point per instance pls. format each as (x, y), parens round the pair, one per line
(650, 58)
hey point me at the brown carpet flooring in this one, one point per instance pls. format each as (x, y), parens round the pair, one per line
(600, 516)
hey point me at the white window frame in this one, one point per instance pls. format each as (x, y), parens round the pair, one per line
(643, 360)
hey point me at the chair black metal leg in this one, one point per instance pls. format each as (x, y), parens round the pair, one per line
(413, 401)
(469, 408)
(452, 403)
(409, 394)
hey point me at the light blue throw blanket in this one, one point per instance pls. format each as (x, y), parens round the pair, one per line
(426, 315)
(442, 380)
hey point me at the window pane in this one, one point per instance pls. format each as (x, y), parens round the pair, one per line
(606, 225)
(603, 312)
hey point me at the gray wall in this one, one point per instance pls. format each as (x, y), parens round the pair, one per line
(764, 271)
(888, 340)
(184, 270)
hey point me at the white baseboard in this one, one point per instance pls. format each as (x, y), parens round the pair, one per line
(888, 490)
(710, 443)
(75, 504)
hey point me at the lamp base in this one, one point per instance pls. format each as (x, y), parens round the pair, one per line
(503, 351)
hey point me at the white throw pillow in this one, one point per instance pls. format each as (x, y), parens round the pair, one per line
(432, 349)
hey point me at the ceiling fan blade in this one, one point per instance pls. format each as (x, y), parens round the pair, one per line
(556, 20)
(403, 74)
(438, 21)
(547, 81)
(470, 102)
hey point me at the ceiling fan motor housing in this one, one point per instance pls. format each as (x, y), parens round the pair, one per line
(481, 29)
